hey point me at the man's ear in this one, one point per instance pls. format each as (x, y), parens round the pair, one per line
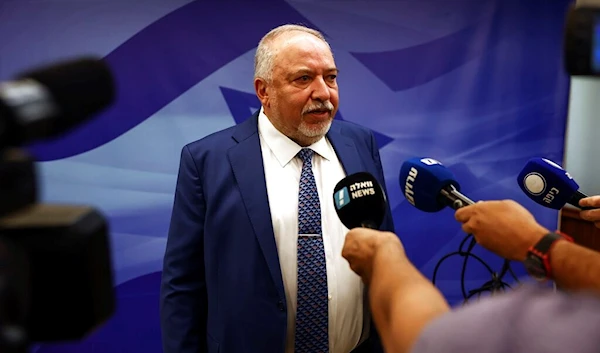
(262, 91)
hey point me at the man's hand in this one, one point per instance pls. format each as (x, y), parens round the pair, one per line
(402, 301)
(503, 227)
(591, 215)
(361, 247)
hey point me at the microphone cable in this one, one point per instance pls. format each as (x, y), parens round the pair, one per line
(494, 285)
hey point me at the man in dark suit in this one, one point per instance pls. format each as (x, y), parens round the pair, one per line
(253, 260)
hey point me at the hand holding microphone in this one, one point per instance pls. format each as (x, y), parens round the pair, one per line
(430, 186)
(503, 227)
(591, 209)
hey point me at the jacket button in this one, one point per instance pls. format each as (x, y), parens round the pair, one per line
(280, 305)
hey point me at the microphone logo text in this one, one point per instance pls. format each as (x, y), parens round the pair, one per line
(550, 195)
(361, 189)
(408, 185)
(430, 161)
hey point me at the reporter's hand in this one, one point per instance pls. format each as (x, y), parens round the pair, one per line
(591, 215)
(503, 227)
(362, 245)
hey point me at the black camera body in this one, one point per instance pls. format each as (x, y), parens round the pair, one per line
(582, 41)
(56, 277)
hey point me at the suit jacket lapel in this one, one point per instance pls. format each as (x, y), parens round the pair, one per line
(345, 149)
(248, 169)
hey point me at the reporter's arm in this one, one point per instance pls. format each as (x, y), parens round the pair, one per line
(402, 300)
(575, 267)
(509, 230)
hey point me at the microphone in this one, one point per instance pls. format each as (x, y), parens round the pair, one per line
(360, 201)
(549, 185)
(430, 186)
(48, 101)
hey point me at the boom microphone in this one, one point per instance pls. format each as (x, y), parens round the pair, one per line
(360, 201)
(48, 101)
(548, 184)
(430, 186)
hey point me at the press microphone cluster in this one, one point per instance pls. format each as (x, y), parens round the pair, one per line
(430, 186)
(360, 201)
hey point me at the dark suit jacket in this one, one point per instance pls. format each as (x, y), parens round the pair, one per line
(222, 289)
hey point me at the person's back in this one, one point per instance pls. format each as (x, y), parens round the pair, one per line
(530, 319)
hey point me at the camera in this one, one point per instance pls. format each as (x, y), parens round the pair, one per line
(56, 279)
(582, 41)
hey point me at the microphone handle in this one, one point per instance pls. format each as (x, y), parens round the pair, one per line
(576, 198)
(454, 198)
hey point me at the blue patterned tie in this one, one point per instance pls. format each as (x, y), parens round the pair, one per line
(312, 319)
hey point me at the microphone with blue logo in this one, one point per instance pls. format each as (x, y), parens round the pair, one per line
(548, 184)
(360, 201)
(429, 186)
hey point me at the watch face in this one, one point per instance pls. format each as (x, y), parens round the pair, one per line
(535, 267)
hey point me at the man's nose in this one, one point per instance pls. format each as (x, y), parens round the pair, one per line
(321, 91)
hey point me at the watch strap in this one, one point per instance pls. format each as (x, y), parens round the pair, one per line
(543, 247)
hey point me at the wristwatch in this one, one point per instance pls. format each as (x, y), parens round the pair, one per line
(537, 261)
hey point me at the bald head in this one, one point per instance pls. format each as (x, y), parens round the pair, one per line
(275, 42)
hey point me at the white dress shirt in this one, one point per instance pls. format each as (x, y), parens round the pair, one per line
(282, 173)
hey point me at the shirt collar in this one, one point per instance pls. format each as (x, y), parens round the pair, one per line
(283, 148)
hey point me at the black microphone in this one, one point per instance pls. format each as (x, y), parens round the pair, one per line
(360, 201)
(48, 101)
(430, 186)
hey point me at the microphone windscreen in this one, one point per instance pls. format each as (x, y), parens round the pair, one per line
(79, 87)
(360, 201)
(547, 183)
(422, 180)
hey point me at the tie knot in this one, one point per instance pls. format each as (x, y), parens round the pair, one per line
(306, 155)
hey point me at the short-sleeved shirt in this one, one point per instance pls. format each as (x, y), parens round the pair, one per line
(530, 319)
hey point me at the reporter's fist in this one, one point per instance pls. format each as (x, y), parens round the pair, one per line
(591, 215)
(361, 246)
(503, 227)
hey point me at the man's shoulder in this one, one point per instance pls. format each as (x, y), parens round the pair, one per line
(222, 139)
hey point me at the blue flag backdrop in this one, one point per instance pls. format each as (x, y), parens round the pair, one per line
(478, 85)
